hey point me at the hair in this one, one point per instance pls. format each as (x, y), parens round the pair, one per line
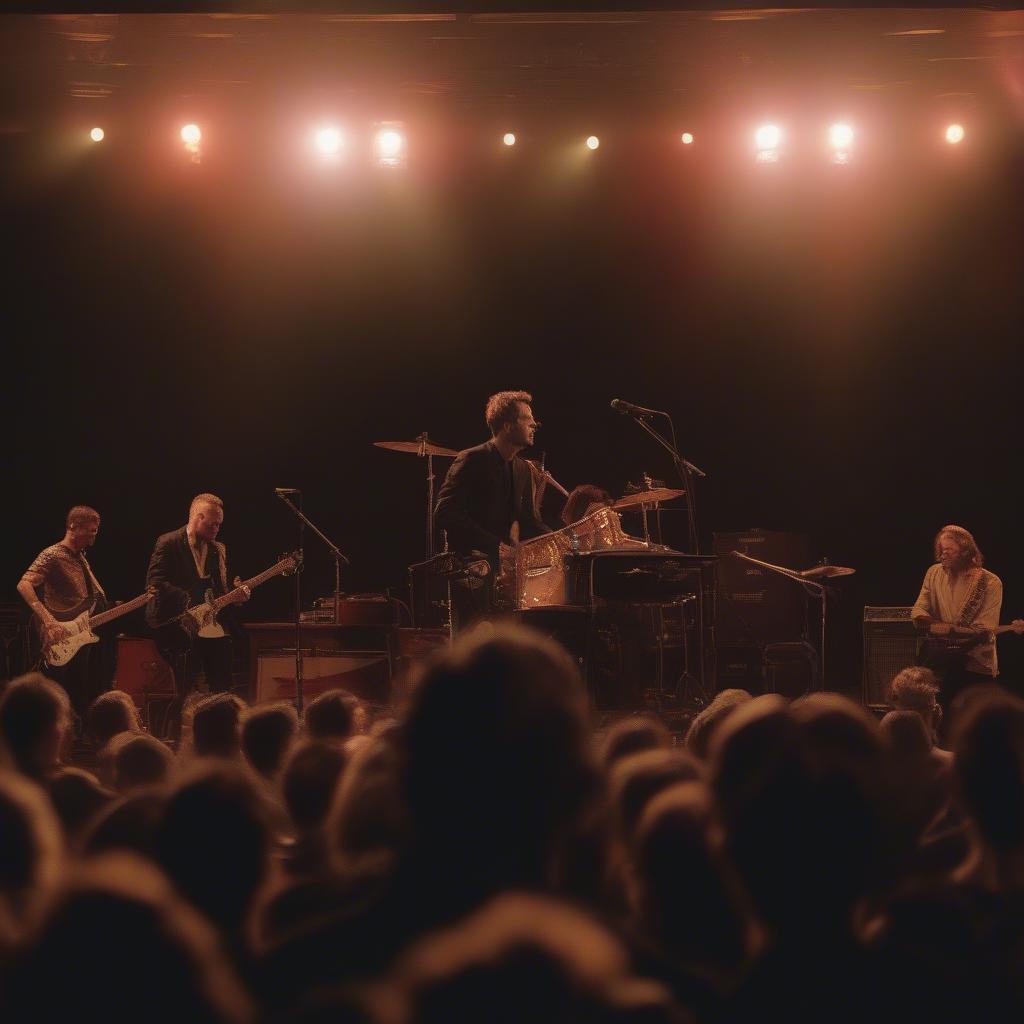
(214, 843)
(158, 960)
(32, 854)
(532, 956)
(34, 713)
(704, 724)
(78, 798)
(633, 735)
(79, 515)
(111, 713)
(501, 408)
(129, 825)
(310, 780)
(968, 547)
(637, 779)
(581, 498)
(914, 689)
(215, 725)
(201, 501)
(267, 733)
(907, 734)
(988, 769)
(330, 715)
(139, 759)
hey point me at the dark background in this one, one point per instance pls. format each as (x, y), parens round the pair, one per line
(839, 346)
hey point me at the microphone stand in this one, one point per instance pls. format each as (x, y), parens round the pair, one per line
(686, 470)
(818, 590)
(303, 521)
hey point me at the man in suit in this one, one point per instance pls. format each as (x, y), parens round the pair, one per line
(185, 564)
(487, 502)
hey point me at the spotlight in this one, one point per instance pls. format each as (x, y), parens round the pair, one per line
(686, 138)
(840, 138)
(509, 138)
(767, 139)
(389, 146)
(191, 135)
(593, 142)
(955, 133)
(97, 134)
(328, 142)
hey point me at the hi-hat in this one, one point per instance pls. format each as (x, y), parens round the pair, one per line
(651, 497)
(417, 448)
(828, 570)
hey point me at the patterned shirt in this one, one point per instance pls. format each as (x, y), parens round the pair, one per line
(65, 579)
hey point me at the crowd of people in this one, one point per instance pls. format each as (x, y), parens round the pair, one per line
(484, 855)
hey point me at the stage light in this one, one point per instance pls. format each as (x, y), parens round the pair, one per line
(955, 133)
(191, 135)
(509, 138)
(593, 142)
(767, 139)
(97, 134)
(389, 146)
(686, 138)
(840, 136)
(328, 142)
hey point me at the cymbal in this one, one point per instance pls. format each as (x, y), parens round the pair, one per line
(416, 448)
(827, 571)
(651, 497)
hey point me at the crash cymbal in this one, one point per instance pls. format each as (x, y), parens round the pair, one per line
(651, 497)
(823, 571)
(416, 448)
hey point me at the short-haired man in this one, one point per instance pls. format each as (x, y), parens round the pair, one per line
(59, 585)
(185, 564)
(958, 607)
(486, 502)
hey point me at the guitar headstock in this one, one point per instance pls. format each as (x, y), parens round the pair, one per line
(1017, 626)
(295, 557)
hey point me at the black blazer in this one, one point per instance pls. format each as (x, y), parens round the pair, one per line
(473, 505)
(172, 570)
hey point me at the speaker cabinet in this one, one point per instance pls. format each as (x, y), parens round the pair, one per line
(365, 674)
(755, 605)
(890, 645)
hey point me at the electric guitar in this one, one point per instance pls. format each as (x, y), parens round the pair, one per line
(201, 619)
(955, 642)
(79, 631)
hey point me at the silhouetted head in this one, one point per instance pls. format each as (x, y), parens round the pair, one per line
(310, 781)
(331, 715)
(637, 779)
(31, 854)
(633, 735)
(128, 825)
(703, 726)
(907, 736)
(988, 770)
(78, 798)
(215, 726)
(35, 715)
(111, 713)
(268, 731)
(214, 842)
(119, 945)
(139, 760)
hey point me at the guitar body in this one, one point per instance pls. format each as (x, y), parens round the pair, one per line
(204, 618)
(62, 651)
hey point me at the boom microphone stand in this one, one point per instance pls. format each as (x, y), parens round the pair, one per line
(285, 493)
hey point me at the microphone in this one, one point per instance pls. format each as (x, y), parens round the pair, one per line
(287, 490)
(629, 409)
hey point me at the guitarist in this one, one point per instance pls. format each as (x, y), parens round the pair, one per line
(957, 611)
(185, 564)
(60, 584)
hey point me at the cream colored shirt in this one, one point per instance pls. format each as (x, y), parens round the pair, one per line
(943, 598)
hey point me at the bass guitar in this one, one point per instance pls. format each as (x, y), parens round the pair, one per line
(79, 631)
(953, 642)
(201, 619)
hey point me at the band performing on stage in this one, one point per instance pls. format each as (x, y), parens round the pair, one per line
(641, 617)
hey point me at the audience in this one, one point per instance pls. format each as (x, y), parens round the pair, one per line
(484, 857)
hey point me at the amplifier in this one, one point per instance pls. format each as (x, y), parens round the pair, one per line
(890, 645)
(755, 605)
(365, 674)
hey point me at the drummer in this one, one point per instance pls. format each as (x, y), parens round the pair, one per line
(583, 500)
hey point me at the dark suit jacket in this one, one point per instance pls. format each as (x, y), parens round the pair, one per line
(473, 505)
(172, 569)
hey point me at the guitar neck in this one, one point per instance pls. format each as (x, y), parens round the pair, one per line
(232, 595)
(118, 610)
